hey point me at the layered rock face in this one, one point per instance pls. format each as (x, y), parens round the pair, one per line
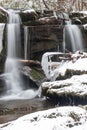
(45, 31)
(70, 86)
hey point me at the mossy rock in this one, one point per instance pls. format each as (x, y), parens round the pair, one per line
(37, 75)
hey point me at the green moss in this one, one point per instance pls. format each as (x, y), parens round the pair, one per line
(37, 75)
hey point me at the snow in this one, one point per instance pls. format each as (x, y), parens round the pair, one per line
(29, 11)
(75, 84)
(3, 9)
(60, 118)
(83, 12)
(78, 62)
(46, 63)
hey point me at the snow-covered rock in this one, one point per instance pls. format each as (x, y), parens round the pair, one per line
(76, 86)
(69, 118)
(70, 64)
(71, 80)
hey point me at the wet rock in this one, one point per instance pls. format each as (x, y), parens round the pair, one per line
(49, 20)
(3, 15)
(32, 73)
(28, 15)
(76, 21)
(2, 86)
(79, 17)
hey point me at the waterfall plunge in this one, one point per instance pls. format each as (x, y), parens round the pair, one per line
(13, 81)
(73, 38)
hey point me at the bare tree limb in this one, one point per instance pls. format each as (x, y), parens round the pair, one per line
(45, 4)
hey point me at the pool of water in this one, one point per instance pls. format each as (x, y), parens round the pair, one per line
(12, 109)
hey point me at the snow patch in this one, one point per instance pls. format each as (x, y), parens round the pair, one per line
(53, 119)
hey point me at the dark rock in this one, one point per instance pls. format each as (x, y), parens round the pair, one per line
(28, 82)
(76, 14)
(49, 21)
(78, 17)
(76, 21)
(2, 86)
(32, 73)
(83, 19)
(3, 15)
(28, 16)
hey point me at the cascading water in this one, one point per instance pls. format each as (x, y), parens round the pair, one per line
(1, 35)
(13, 80)
(25, 42)
(72, 41)
(73, 38)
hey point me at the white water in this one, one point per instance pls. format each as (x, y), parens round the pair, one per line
(25, 43)
(64, 44)
(74, 37)
(1, 35)
(14, 83)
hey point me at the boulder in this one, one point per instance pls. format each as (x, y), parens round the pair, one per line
(79, 17)
(28, 15)
(76, 21)
(32, 73)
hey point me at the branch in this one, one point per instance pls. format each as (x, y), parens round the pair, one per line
(45, 4)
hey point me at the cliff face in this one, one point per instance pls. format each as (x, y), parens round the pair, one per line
(45, 32)
(44, 38)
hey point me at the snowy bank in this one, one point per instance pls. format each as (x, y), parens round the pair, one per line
(69, 118)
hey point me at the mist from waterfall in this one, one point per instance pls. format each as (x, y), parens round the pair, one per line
(73, 38)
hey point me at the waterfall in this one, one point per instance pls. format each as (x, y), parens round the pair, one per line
(13, 78)
(73, 38)
(25, 42)
(1, 35)
(64, 44)
(13, 81)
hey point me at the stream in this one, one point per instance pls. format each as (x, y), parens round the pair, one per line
(13, 109)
